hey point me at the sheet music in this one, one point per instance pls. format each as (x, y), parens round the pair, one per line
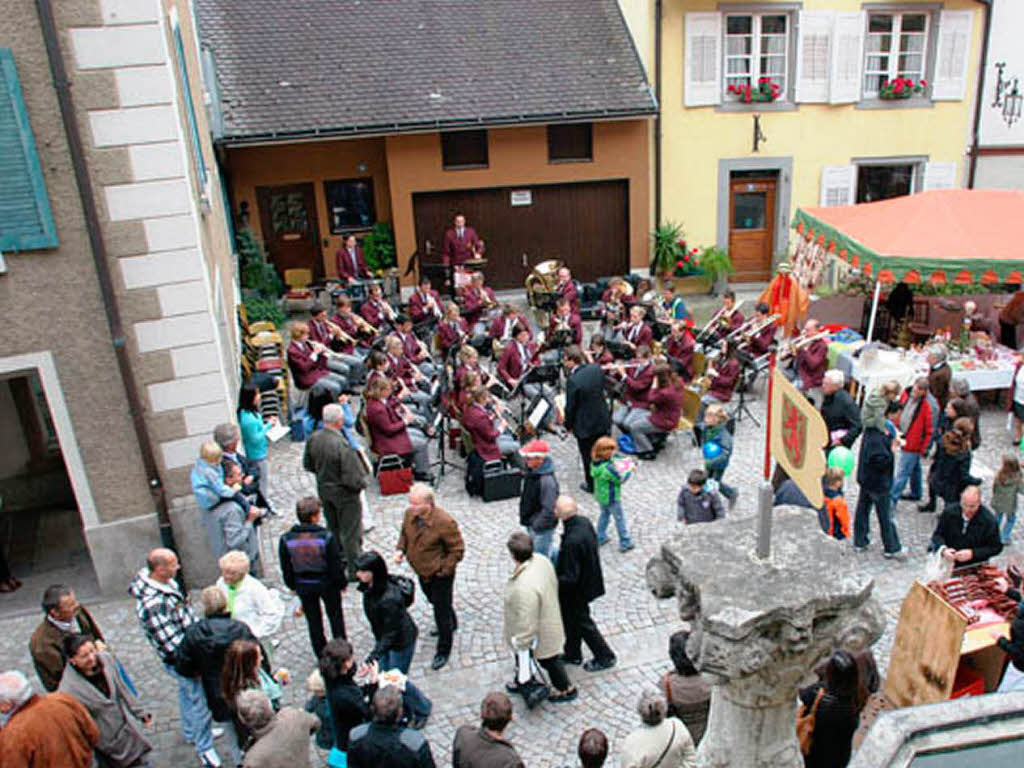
(275, 433)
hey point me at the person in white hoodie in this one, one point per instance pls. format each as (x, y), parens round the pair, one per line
(164, 615)
(249, 601)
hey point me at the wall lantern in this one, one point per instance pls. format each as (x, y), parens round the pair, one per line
(1008, 96)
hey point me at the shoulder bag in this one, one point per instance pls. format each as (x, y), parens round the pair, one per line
(805, 721)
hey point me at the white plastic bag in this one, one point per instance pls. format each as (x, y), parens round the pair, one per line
(937, 568)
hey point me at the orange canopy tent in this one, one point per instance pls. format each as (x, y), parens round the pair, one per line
(951, 235)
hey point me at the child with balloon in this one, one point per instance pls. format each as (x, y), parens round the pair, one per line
(717, 449)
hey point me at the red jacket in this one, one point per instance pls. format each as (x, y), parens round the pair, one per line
(575, 325)
(725, 382)
(570, 294)
(639, 336)
(638, 385)
(346, 271)
(373, 313)
(348, 325)
(305, 370)
(418, 307)
(760, 343)
(452, 337)
(480, 425)
(387, 428)
(411, 348)
(473, 302)
(320, 333)
(461, 371)
(497, 328)
(681, 349)
(510, 367)
(456, 250)
(400, 368)
(919, 435)
(811, 362)
(666, 406)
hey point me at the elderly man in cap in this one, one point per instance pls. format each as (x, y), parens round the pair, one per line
(540, 491)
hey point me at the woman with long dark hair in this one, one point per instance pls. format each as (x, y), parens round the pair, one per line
(836, 717)
(254, 432)
(348, 702)
(950, 472)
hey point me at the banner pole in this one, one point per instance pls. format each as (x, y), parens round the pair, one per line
(768, 421)
(764, 491)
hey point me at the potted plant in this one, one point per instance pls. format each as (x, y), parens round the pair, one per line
(901, 88)
(764, 91)
(717, 266)
(667, 250)
(675, 259)
(379, 248)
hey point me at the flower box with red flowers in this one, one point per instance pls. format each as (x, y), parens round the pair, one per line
(764, 91)
(688, 263)
(901, 88)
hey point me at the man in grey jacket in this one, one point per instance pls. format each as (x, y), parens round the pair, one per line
(697, 504)
(340, 477)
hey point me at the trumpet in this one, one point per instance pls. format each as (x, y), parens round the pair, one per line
(432, 306)
(338, 333)
(364, 325)
(387, 311)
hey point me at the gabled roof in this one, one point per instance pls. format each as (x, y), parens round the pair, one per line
(301, 68)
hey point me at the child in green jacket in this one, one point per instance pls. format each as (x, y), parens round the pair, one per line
(608, 491)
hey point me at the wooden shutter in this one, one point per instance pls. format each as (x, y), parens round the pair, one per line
(950, 82)
(838, 185)
(813, 56)
(847, 57)
(703, 64)
(26, 222)
(939, 176)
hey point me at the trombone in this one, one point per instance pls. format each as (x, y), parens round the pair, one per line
(721, 315)
(795, 345)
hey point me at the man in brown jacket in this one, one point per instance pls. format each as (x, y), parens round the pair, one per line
(485, 747)
(432, 542)
(62, 616)
(51, 731)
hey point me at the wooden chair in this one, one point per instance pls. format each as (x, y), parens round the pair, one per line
(700, 364)
(688, 416)
(299, 296)
(919, 326)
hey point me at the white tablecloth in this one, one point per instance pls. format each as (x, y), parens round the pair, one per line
(891, 364)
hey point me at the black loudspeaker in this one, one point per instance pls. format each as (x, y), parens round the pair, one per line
(501, 482)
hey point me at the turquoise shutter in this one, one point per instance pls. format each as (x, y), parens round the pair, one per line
(26, 222)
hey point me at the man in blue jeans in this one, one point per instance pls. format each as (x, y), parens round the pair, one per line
(164, 616)
(540, 491)
(917, 427)
(874, 474)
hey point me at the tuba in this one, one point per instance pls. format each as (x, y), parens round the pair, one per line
(542, 279)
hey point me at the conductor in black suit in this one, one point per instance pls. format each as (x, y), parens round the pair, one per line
(586, 407)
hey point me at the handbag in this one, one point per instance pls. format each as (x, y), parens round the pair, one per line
(671, 739)
(392, 476)
(805, 720)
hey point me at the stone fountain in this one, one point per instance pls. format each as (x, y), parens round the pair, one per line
(760, 626)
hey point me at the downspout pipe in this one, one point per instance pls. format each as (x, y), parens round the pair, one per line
(979, 100)
(657, 118)
(98, 247)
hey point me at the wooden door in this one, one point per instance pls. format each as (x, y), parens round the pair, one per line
(751, 228)
(586, 225)
(290, 231)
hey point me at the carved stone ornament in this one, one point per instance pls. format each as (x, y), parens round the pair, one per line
(760, 627)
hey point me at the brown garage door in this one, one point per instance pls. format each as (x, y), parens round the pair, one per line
(584, 225)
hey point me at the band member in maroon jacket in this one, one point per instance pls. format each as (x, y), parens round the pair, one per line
(332, 336)
(477, 300)
(762, 341)
(460, 243)
(354, 325)
(425, 303)
(724, 377)
(413, 349)
(469, 360)
(597, 352)
(375, 310)
(567, 288)
(391, 430)
(635, 332)
(565, 319)
(730, 320)
(665, 404)
(638, 379)
(679, 348)
(307, 361)
(350, 262)
(519, 354)
(505, 324)
(453, 331)
(492, 438)
(811, 360)
(616, 302)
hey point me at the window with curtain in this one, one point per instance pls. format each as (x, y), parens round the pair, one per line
(895, 47)
(756, 46)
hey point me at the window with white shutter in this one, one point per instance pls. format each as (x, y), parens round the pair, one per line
(847, 57)
(939, 176)
(838, 185)
(702, 74)
(813, 56)
(895, 47)
(26, 221)
(950, 81)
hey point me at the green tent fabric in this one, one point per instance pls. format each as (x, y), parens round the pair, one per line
(954, 235)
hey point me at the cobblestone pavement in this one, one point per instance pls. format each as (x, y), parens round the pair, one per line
(636, 625)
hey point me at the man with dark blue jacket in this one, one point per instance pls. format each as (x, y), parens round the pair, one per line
(540, 491)
(875, 474)
(313, 567)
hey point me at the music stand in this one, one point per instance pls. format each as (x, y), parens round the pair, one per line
(442, 423)
(746, 361)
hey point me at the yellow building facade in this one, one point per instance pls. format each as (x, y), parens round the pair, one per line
(839, 131)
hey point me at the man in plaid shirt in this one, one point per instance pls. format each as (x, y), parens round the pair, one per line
(164, 615)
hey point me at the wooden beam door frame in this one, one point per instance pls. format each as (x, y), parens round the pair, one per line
(783, 197)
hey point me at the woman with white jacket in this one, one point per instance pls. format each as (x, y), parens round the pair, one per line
(249, 601)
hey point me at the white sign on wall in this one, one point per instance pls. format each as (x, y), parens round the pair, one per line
(521, 197)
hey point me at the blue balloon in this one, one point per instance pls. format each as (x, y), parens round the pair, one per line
(712, 450)
(626, 444)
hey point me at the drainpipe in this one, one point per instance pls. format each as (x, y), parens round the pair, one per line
(980, 97)
(98, 248)
(657, 119)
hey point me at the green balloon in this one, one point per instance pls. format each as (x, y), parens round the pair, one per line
(842, 457)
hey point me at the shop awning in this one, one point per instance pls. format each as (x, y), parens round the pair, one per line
(945, 236)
